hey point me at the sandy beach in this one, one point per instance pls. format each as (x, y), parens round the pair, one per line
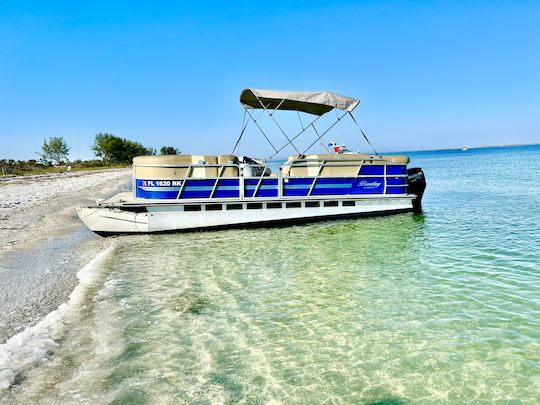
(26, 202)
(42, 242)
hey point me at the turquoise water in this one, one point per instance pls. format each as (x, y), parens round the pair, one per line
(442, 306)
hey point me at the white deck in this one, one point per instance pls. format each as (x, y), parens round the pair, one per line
(126, 215)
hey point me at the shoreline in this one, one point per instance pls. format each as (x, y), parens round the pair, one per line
(72, 173)
(26, 203)
(34, 344)
(42, 242)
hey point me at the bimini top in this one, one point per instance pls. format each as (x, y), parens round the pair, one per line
(311, 102)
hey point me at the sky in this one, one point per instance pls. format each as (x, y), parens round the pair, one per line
(429, 74)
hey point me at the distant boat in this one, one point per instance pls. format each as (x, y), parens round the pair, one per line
(464, 149)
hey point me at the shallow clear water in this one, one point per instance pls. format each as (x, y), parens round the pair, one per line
(441, 306)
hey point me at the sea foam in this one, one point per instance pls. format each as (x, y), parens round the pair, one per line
(33, 345)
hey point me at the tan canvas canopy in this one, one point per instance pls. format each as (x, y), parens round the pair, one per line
(311, 102)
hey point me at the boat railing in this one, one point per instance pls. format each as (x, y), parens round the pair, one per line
(282, 176)
(335, 162)
(321, 164)
(222, 168)
(353, 164)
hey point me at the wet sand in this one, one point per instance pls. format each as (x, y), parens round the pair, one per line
(42, 242)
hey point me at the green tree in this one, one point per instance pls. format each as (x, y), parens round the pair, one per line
(113, 149)
(169, 150)
(56, 150)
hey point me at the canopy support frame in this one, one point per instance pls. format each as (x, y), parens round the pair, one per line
(244, 126)
(300, 119)
(296, 136)
(302, 102)
(362, 132)
(260, 129)
(242, 130)
(271, 115)
(324, 133)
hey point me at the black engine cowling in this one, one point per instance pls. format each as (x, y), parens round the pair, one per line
(416, 184)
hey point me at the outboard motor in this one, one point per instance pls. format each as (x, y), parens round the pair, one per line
(416, 184)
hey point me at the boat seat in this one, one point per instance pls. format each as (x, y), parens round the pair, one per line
(164, 172)
(343, 165)
(201, 171)
(228, 171)
(397, 159)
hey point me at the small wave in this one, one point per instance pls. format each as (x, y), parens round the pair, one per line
(33, 345)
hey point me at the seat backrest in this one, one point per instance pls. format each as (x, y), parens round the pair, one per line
(228, 171)
(397, 159)
(157, 172)
(337, 165)
(199, 170)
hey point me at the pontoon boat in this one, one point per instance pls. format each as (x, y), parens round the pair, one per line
(187, 192)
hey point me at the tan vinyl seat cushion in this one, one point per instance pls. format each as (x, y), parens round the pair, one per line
(174, 172)
(228, 171)
(342, 165)
(397, 159)
(401, 159)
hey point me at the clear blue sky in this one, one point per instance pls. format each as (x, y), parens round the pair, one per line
(428, 74)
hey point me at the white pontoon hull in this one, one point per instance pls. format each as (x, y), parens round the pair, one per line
(167, 218)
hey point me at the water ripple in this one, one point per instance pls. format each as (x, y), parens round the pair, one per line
(442, 306)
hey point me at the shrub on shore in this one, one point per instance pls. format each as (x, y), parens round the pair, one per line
(115, 150)
(15, 167)
(111, 150)
(56, 150)
(169, 150)
(10, 167)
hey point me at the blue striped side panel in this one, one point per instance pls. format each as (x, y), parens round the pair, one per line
(396, 190)
(396, 185)
(268, 188)
(335, 186)
(203, 188)
(297, 187)
(396, 181)
(396, 169)
(373, 170)
(197, 188)
(228, 188)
